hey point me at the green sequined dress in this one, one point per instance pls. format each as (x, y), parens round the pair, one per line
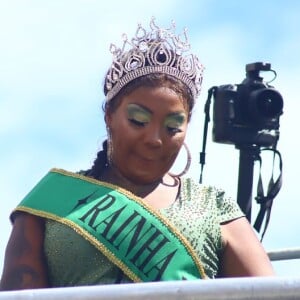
(197, 213)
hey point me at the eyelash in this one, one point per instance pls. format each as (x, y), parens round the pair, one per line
(137, 123)
(171, 130)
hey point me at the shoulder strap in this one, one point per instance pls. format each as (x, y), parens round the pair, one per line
(266, 201)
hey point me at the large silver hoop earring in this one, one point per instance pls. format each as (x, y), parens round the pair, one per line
(109, 151)
(188, 162)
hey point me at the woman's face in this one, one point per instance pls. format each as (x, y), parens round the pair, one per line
(147, 131)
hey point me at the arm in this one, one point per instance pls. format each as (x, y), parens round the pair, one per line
(24, 265)
(243, 254)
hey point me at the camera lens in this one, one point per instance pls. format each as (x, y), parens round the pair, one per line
(266, 103)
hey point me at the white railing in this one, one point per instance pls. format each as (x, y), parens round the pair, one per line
(238, 289)
(219, 289)
(285, 254)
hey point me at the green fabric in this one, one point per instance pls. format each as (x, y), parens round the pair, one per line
(135, 238)
(197, 213)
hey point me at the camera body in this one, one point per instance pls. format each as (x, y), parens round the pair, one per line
(247, 113)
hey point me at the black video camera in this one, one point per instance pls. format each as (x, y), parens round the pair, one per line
(247, 113)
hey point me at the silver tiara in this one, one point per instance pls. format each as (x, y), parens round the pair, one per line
(157, 51)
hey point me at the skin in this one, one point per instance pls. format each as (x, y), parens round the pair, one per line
(151, 135)
(243, 254)
(24, 265)
(147, 129)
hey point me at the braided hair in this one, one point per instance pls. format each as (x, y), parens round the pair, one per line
(99, 164)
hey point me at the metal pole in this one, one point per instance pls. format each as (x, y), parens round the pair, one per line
(284, 254)
(248, 155)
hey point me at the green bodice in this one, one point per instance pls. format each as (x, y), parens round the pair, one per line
(197, 213)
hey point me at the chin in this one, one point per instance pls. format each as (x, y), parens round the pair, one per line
(144, 178)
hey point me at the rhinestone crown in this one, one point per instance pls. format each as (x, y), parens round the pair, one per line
(159, 50)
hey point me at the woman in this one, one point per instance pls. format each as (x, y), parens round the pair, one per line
(128, 219)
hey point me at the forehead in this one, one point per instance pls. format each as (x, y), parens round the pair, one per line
(157, 99)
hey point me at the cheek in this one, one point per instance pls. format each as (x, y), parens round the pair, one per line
(173, 148)
(123, 138)
(179, 140)
(118, 124)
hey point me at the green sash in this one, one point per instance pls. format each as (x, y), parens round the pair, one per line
(133, 236)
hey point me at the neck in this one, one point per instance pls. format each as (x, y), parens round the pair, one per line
(114, 176)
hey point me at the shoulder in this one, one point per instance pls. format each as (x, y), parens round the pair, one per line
(193, 191)
(21, 219)
(211, 196)
(243, 254)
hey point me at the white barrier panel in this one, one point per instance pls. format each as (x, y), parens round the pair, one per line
(235, 288)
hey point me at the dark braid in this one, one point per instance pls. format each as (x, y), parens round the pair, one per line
(100, 163)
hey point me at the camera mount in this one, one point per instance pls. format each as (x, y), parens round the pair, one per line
(247, 115)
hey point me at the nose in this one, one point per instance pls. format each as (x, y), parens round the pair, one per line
(153, 136)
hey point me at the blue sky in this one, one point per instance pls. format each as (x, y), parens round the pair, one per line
(53, 56)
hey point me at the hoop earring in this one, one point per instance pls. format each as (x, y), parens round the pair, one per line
(188, 163)
(109, 151)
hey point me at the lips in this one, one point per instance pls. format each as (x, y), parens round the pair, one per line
(148, 159)
(151, 157)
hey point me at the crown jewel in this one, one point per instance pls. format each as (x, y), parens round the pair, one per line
(156, 51)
